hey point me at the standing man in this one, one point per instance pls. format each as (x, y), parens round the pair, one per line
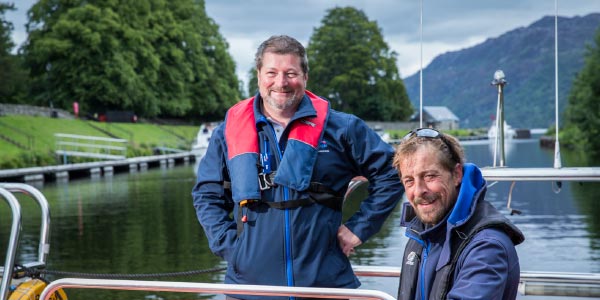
(460, 246)
(270, 188)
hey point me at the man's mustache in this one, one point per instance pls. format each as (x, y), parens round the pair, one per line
(426, 199)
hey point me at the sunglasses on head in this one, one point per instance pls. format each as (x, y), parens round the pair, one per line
(431, 134)
(422, 132)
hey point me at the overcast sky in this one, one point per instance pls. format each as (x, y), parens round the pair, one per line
(448, 25)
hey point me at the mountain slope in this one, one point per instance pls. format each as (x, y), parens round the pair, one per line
(461, 80)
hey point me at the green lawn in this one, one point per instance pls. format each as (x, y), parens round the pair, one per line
(36, 135)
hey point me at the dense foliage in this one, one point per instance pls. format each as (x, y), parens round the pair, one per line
(353, 67)
(154, 57)
(13, 77)
(582, 115)
(253, 82)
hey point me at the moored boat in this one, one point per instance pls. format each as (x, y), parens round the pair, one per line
(201, 141)
(509, 132)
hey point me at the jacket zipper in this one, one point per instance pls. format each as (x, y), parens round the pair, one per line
(425, 253)
(287, 234)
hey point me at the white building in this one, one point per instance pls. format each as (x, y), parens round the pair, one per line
(438, 117)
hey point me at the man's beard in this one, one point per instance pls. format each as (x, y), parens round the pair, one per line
(435, 216)
(288, 103)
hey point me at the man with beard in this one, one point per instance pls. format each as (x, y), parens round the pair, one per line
(270, 188)
(460, 246)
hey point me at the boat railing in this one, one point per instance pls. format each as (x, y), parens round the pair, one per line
(7, 191)
(531, 284)
(11, 250)
(44, 241)
(580, 174)
(212, 288)
(562, 284)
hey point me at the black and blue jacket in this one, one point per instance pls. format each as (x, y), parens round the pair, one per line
(295, 246)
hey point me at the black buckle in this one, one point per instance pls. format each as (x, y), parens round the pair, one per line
(265, 181)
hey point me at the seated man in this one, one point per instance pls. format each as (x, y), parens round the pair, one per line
(460, 246)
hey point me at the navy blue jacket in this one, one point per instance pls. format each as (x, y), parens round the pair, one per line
(435, 264)
(299, 246)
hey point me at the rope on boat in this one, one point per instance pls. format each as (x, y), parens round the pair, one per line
(34, 272)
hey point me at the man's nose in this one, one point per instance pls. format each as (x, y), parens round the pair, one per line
(420, 187)
(281, 79)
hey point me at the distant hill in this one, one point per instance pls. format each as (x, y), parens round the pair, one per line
(462, 79)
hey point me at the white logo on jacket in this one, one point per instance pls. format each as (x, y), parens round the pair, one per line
(410, 259)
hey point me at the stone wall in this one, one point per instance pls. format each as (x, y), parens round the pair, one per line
(29, 110)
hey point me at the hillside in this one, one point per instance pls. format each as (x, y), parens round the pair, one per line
(461, 79)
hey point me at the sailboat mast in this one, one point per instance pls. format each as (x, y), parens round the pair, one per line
(421, 69)
(557, 161)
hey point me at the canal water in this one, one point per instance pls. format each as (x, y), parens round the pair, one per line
(144, 222)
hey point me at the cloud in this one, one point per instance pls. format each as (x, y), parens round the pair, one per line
(447, 25)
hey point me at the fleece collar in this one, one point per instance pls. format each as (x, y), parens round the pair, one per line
(464, 207)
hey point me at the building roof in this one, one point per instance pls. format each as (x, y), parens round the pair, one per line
(440, 113)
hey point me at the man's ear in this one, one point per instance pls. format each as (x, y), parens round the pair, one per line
(457, 174)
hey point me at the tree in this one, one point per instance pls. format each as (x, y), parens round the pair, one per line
(13, 77)
(582, 115)
(352, 65)
(253, 82)
(154, 57)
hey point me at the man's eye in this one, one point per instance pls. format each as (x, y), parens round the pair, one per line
(292, 75)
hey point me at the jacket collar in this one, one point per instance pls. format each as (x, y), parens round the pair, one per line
(472, 183)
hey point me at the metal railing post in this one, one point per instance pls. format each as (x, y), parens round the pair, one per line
(11, 250)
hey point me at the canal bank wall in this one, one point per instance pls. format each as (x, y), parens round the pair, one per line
(94, 169)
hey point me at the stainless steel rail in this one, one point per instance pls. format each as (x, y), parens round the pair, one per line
(560, 284)
(541, 174)
(212, 288)
(532, 283)
(44, 244)
(11, 250)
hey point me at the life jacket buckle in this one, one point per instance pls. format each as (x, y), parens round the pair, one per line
(265, 181)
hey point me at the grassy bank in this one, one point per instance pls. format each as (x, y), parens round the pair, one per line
(27, 141)
(32, 141)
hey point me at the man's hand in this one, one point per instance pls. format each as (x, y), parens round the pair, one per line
(347, 239)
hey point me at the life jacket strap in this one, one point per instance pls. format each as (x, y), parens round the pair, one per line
(266, 182)
(326, 199)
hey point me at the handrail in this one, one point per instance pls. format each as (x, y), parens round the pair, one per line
(90, 146)
(559, 277)
(211, 288)
(90, 138)
(531, 283)
(562, 284)
(541, 174)
(11, 250)
(44, 244)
